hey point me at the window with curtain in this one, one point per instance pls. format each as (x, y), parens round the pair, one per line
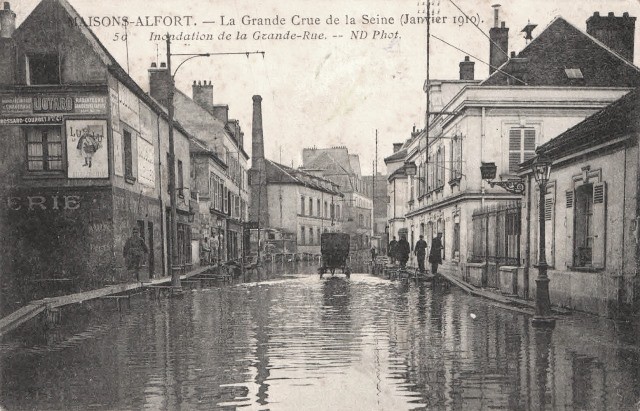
(522, 146)
(44, 149)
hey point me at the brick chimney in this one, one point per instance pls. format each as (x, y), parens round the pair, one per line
(221, 112)
(7, 45)
(467, 69)
(203, 94)
(397, 147)
(499, 45)
(259, 210)
(159, 83)
(7, 21)
(617, 33)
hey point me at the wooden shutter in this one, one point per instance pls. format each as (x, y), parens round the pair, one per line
(568, 223)
(598, 252)
(529, 144)
(515, 137)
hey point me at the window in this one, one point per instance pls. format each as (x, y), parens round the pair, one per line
(237, 206)
(311, 235)
(575, 73)
(338, 215)
(439, 168)
(225, 200)
(302, 205)
(522, 146)
(456, 158)
(455, 249)
(44, 149)
(320, 234)
(311, 206)
(325, 210)
(43, 69)
(128, 154)
(180, 186)
(302, 235)
(586, 219)
(319, 209)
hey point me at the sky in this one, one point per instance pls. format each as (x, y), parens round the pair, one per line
(335, 91)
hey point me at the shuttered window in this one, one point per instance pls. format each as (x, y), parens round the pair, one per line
(522, 146)
(586, 225)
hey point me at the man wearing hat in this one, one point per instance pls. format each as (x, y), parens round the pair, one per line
(134, 252)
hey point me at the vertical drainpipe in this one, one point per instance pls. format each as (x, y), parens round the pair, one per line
(162, 210)
(482, 136)
(527, 247)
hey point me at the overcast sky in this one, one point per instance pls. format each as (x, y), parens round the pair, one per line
(330, 92)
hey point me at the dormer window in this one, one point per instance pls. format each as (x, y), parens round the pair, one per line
(42, 69)
(574, 73)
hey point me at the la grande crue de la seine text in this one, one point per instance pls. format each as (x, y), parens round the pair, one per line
(276, 20)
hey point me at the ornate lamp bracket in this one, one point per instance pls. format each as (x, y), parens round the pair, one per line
(512, 186)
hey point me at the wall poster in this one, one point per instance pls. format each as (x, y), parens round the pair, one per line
(87, 149)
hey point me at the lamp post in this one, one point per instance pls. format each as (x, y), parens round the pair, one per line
(542, 318)
(173, 231)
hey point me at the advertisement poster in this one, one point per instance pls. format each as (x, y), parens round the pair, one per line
(87, 150)
(320, 205)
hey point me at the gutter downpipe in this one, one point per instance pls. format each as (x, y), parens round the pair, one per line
(527, 247)
(482, 137)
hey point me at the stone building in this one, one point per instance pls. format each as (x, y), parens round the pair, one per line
(83, 161)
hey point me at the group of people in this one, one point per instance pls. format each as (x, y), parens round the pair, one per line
(400, 250)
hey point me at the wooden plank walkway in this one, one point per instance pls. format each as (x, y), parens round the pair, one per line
(34, 308)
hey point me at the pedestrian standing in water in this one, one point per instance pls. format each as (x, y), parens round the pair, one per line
(420, 250)
(134, 252)
(435, 254)
(403, 251)
(392, 251)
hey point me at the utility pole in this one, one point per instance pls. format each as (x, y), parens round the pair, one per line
(173, 195)
(173, 200)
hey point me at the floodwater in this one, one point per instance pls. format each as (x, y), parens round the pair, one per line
(305, 343)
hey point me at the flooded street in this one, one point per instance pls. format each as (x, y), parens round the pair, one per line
(305, 343)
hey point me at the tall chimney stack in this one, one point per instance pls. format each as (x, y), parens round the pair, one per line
(257, 144)
(617, 33)
(7, 21)
(259, 210)
(499, 45)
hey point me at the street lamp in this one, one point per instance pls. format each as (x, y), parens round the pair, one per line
(541, 172)
(173, 231)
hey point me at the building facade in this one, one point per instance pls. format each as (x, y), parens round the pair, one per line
(560, 78)
(83, 161)
(590, 215)
(222, 191)
(337, 165)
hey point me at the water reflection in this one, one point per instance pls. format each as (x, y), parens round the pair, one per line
(308, 343)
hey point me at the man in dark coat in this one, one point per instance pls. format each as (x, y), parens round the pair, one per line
(420, 251)
(403, 251)
(134, 251)
(392, 250)
(435, 254)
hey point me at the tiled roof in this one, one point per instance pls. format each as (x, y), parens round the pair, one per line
(561, 46)
(398, 155)
(613, 121)
(280, 174)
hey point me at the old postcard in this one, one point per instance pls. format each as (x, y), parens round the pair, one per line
(327, 205)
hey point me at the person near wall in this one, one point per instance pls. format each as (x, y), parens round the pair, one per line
(403, 251)
(420, 251)
(134, 252)
(435, 254)
(392, 250)
(373, 254)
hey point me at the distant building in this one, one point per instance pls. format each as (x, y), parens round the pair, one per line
(288, 202)
(337, 165)
(380, 200)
